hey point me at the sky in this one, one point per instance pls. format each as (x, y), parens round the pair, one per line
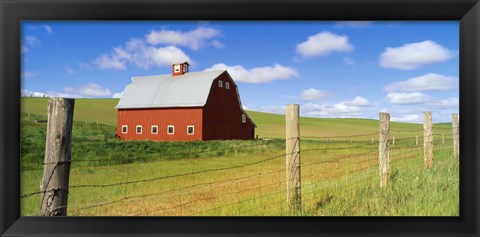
(347, 69)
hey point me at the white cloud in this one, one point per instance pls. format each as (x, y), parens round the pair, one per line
(349, 108)
(49, 94)
(32, 41)
(246, 107)
(276, 109)
(414, 55)
(450, 103)
(323, 44)
(166, 56)
(358, 101)
(409, 118)
(48, 29)
(69, 70)
(91, 89)
(32, 93)
(407, 98)
(257, 74)
(110, 62)
(117, 95)
(331, 110)
(136, 52)
(194, 39)
(430, 81)
(313, 94)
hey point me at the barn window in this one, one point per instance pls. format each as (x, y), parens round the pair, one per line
(171, 129)
(176, 68)
(244, 118)
(139, 129)
(227, 85)
(190, 130)
(220, 84)
(124, 129)
(185, 68)
(154, 129)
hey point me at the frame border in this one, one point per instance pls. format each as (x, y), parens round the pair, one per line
(12, 12)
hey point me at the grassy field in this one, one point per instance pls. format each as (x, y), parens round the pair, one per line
(339, 174)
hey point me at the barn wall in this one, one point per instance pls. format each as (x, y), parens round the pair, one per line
(179, 117)
(222, 116)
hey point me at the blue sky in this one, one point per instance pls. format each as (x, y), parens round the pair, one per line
(332, 69)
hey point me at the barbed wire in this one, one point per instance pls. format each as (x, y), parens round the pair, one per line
(352, 168)
(342, 136)
(171, 176)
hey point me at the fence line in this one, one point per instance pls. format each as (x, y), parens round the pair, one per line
(328, 165)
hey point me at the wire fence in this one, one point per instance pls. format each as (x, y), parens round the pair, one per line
(251, 183)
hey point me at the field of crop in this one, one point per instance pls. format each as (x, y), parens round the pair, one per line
(339, 171)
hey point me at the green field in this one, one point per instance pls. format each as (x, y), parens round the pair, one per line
(339, 174)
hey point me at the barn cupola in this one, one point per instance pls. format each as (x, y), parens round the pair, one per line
(179, 69)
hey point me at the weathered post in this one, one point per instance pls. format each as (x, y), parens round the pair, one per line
(427, 140)
(383, 148)
(443, 139)
(54, 185)
(393, 140)
(456, 135)
(293, 157)
(416, 140)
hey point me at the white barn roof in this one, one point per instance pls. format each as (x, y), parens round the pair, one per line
(161, 91)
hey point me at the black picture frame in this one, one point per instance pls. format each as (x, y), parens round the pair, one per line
(12, 12)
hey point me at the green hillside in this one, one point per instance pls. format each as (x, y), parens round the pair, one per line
(92, 110)
(268, 125)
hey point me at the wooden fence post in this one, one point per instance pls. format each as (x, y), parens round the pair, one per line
(456, 135)
(54, 185)
(383, 148)
(293, 157)
(393, 141)
(416, 141)
(427, 140)
(443, 139)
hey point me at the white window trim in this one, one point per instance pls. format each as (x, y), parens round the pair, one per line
(151, 129)
(176, 68)
(136, 129)
(168, 129)
(126, 131)
(193, 127)
(227, 85)
(220, 83)
(244, 118)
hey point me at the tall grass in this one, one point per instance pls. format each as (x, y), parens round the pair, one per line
(339, 178)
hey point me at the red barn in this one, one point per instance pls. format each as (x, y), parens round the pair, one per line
(183, 106)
